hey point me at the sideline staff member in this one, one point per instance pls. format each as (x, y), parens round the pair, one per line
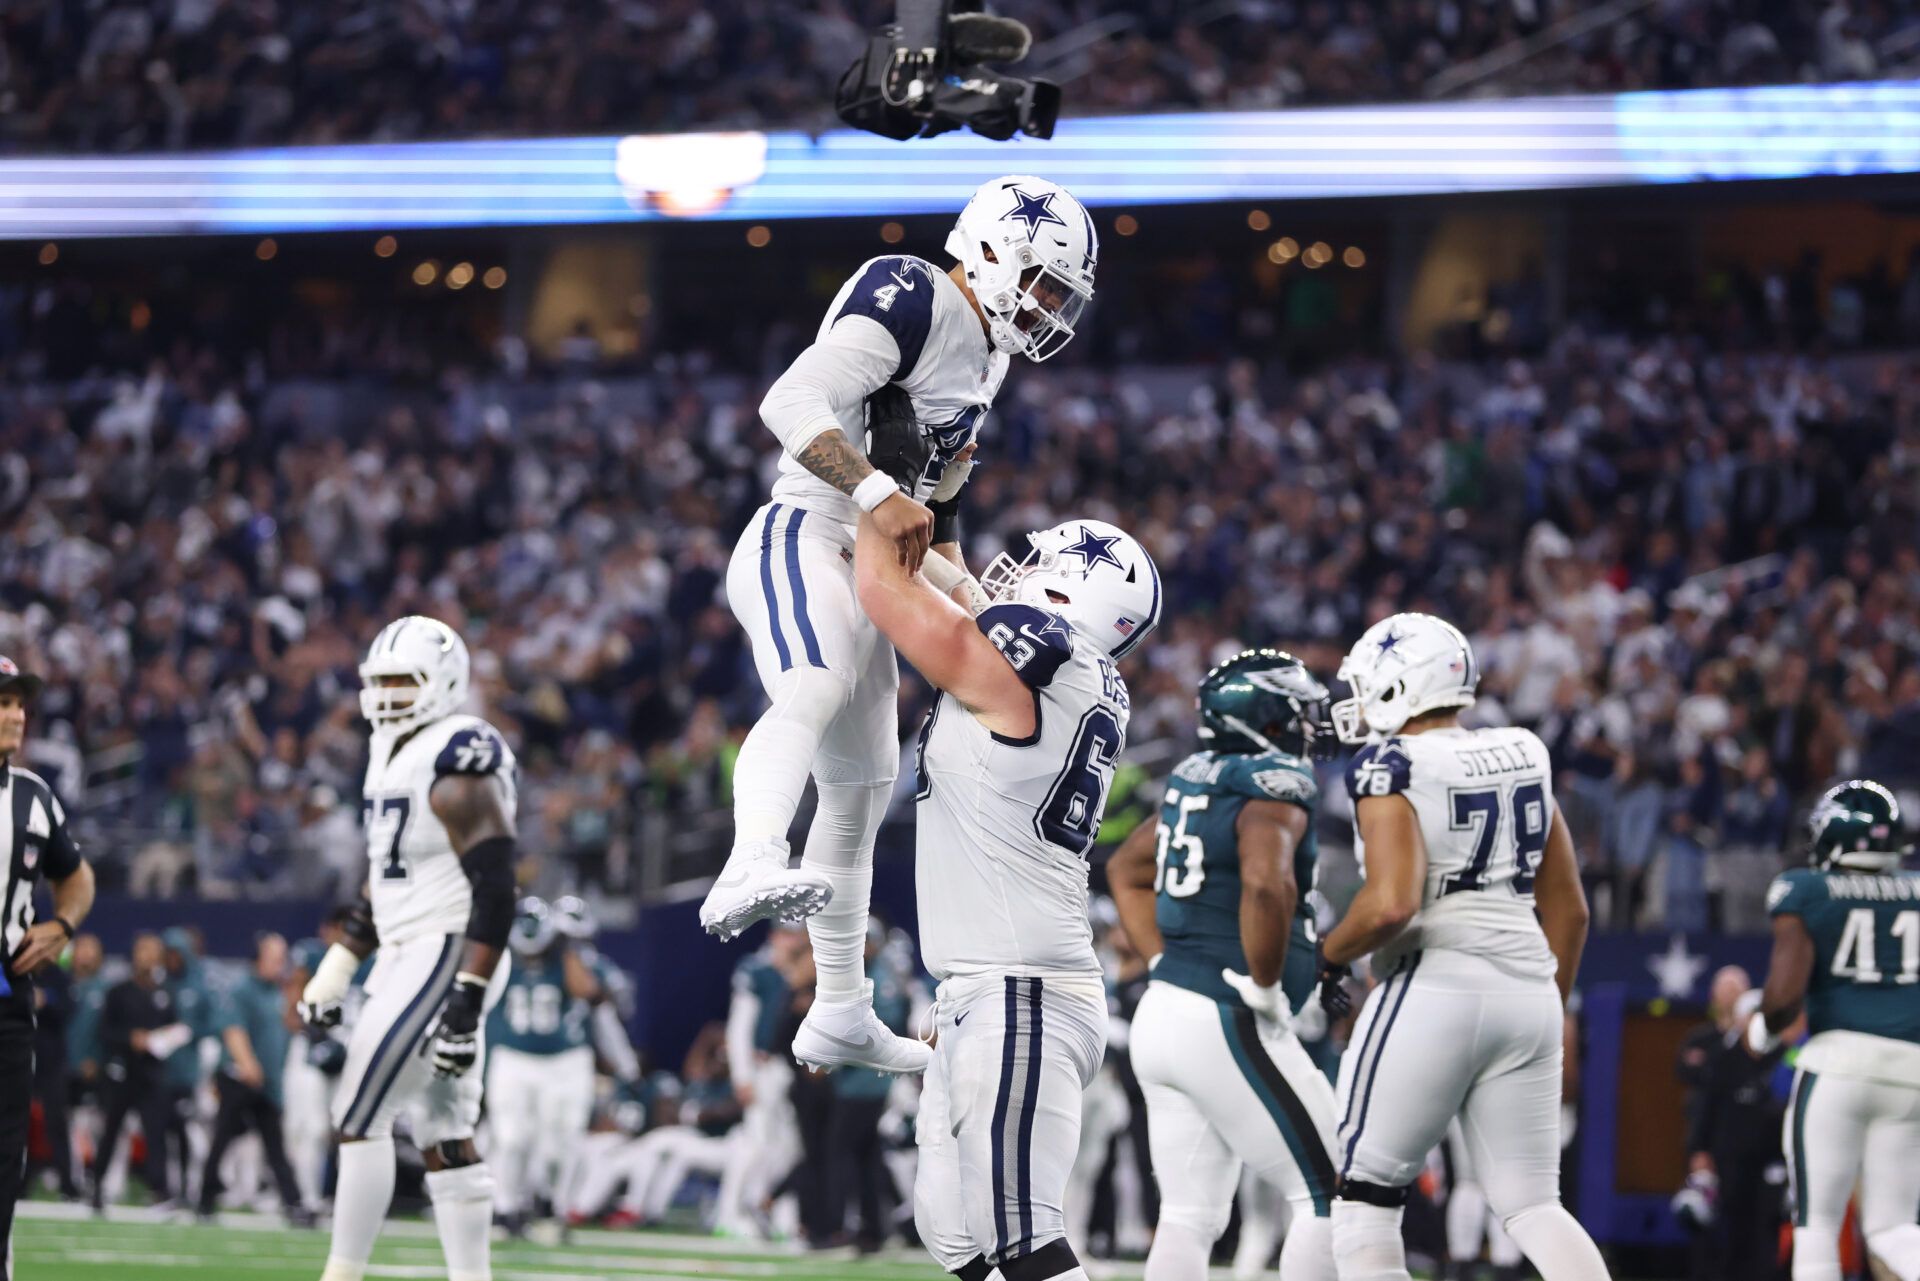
(34, 842)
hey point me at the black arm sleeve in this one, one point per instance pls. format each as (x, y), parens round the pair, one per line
(946, 521)
(489, 867)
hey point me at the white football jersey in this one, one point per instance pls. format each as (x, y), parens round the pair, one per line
(904, 305)
(1004, 825)
(1484, 799)
(417, 881)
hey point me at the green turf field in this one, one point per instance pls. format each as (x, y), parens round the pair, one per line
(64, 1243)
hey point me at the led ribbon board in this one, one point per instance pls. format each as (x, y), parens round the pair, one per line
(1775, 131)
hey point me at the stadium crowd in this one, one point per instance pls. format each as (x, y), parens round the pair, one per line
(137, 75)
(1697, 572)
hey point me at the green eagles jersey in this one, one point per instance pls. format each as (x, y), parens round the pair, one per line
(1197, 877)
(756, 977)
(535, 1015)
(1866, 942)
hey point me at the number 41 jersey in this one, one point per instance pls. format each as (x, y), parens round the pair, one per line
(1004, 824)
(1865, 928)
(1484, 801)
(417, 882)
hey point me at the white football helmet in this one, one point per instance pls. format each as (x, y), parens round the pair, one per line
(1403, 666)
(425, 649)
(573, 918)
(533, 927)
(1028, 249)
(1095, 575)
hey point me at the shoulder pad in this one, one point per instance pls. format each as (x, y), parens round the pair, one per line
(1035, 643)
(1273, 777)
(1380, 769)
(896, 292)
(1794, 891)
(474, 749)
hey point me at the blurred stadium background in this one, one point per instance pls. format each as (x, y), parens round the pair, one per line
(1624, 382)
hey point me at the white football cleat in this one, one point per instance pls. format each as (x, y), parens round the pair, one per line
(849, 1034)
(756, 884)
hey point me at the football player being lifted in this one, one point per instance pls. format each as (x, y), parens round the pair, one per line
(1846, 950)
(1460, 843)
(1215, 895)
(439, 805)
(921, 343)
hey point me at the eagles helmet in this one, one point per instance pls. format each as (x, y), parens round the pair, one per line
(1404, 665)
(1856, 824)
(533, 929)
(1095, 575)
(1265, 700)
(1028, 249)
(573, 918)
(432, 655)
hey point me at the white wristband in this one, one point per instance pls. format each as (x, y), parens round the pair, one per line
(874, 490)
(332, 977)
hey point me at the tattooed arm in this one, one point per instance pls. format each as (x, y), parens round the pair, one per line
(826, 386)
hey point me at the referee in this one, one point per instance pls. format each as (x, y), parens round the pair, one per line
(34, 842)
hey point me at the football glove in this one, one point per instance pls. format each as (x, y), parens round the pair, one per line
(322, 999)
(1268, 1002)
(895, 443)
(456, 1042)
(1334, 998)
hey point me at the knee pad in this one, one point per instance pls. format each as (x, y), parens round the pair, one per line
(942, 1229)
(813, 696)
(472, 1182)
(1367, 1242)
(1206, 1221)
(1897, 1249)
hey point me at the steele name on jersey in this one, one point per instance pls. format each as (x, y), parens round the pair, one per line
(1484, 802)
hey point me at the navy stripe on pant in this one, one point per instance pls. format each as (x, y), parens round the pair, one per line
(384, 1068)
(766, 588)
(1372, 1069)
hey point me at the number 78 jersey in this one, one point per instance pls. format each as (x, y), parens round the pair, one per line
(1484, 802)
(1004, 825)
(417, 883)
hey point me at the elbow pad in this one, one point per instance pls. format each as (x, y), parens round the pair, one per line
(489, 868)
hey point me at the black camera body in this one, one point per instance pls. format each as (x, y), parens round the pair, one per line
(926, 74)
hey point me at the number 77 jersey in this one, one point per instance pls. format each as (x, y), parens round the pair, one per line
(1484, 802)
(1004, 825)
(414, 875)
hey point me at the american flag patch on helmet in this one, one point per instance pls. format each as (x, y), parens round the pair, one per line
(1125, 626)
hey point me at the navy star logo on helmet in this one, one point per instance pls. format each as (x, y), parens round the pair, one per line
(1388, 641)
(1093, 549)
(1033, 210)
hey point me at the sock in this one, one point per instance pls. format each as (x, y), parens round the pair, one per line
(1308, 1252)
(1816, 1251)
(360, 1200)
(1367, 1243)
(1501, 1248)
(840, 848)
(1898, 1250)
(771, 772)
(1179, 1253)
(463, 1216)
(1556, 1243)
(1466, 1221)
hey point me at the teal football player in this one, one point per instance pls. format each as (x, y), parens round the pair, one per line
(1212, 895)
(1846, 949)
(540, 1074)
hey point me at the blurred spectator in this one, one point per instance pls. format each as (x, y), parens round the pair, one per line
(254, 1036)
(140, 1028)
(143, 74)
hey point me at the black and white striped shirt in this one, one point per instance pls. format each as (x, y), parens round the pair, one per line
(34, 842)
